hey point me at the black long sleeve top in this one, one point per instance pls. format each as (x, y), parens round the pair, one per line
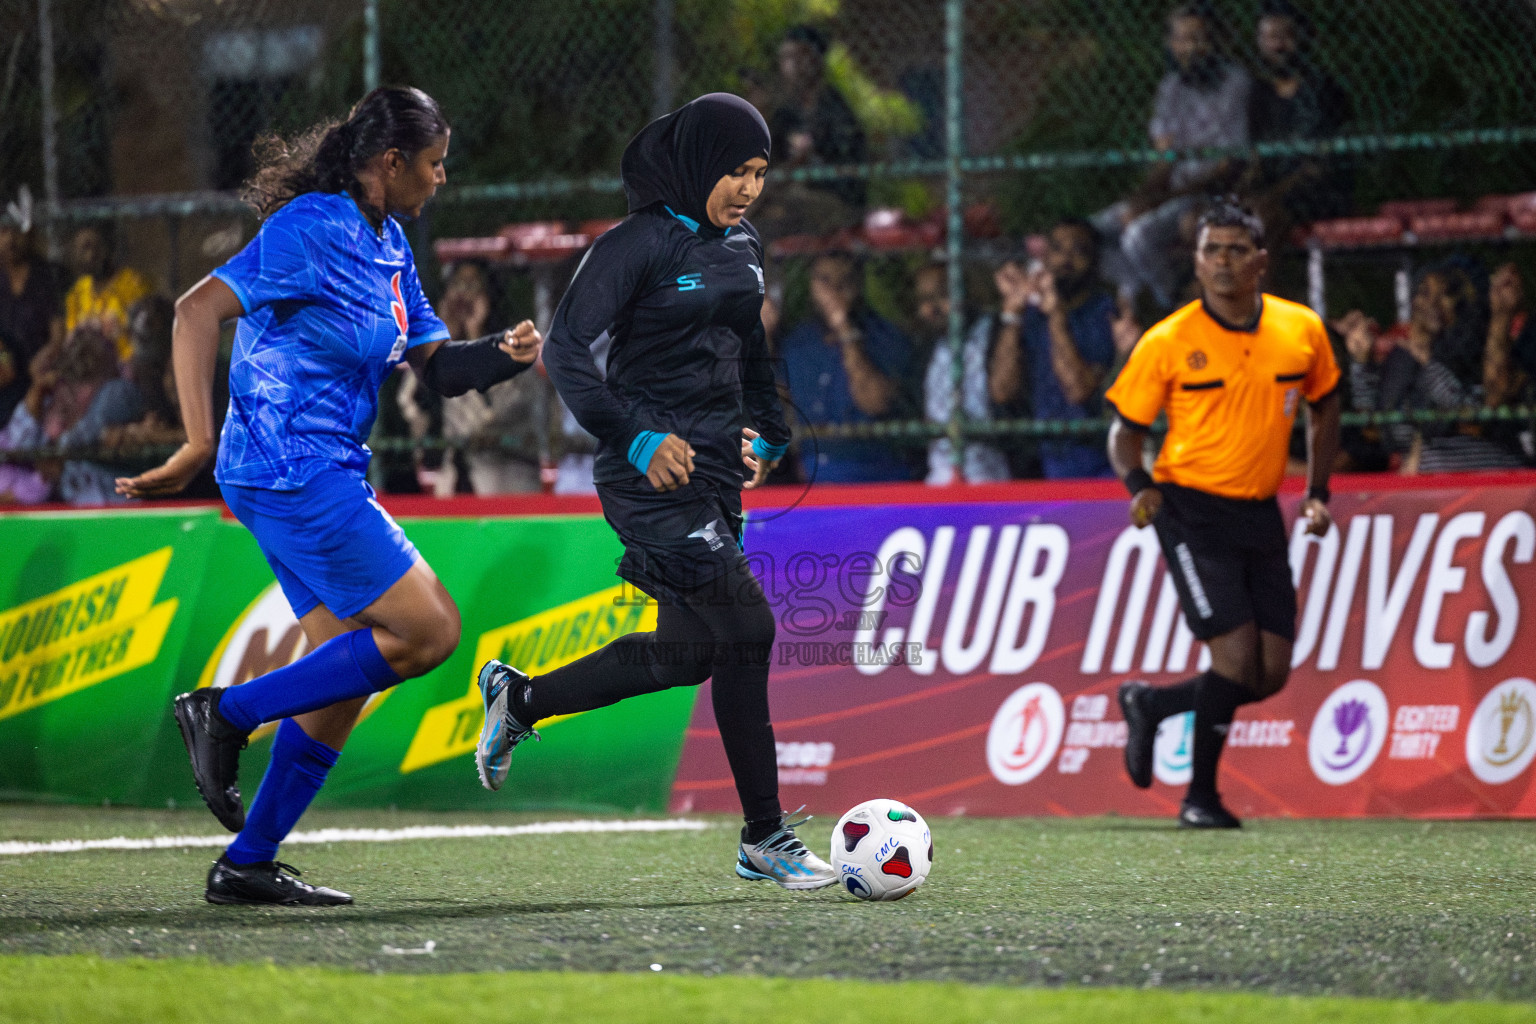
(681, 305)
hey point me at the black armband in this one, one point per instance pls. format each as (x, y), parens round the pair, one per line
(1137, 480)
(1319, 493)
(457, 366)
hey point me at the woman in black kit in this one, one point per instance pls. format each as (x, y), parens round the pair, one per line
(677, 288)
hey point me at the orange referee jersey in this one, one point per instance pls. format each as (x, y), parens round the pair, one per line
(1231, 395)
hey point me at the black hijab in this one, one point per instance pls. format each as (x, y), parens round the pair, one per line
(677, 159)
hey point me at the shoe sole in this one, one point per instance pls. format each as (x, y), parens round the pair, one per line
(1209, 828)
(233, 901)
(488, 778)
(1144, 782)
(178, 709)
(752, 875)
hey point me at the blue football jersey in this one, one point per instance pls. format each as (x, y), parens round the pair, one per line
(331, 306)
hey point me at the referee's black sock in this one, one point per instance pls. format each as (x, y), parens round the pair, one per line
(1175, 698)
(1217, 699)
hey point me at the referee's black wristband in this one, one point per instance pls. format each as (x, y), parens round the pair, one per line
(1319, 493)
(1137, 480)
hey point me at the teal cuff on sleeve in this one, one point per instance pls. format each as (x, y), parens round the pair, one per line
(643, 447)
(768, 452)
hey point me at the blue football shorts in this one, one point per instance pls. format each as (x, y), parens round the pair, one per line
(329, 542)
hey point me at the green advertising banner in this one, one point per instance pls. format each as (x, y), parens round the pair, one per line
(105, 617)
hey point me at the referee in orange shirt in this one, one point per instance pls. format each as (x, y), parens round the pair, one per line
(1230, 370)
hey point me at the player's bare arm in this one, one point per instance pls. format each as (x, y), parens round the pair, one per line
(195, 352)
(1322, 453)
(1125, 447)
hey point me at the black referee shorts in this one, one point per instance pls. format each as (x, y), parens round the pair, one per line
(1230, 561)
(674, 541)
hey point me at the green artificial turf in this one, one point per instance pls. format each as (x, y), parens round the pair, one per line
(80, 990)
(1359, 908)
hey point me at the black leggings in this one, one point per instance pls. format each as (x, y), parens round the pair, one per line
(723, 630)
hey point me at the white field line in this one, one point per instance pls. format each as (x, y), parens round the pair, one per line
(362, 835)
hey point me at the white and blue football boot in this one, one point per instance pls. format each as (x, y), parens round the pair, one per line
(501, 732)
(783, 858)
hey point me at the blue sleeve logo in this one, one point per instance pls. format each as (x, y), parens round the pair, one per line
(690, 282)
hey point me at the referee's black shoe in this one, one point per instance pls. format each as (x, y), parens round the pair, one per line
(1206, 813)
(1140, 731)
(266, 883)
(214, 747)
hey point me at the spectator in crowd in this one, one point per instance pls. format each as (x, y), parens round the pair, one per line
(1522, 329)
(1506, 376)
(1422, 373)
(1201, 102)
(1294, 100)
(1057, 342)
(153, 377)
(845, 366)
(478, 427)
(1507, 370)
(499, 431)
(982, 462)
(812, 126)
(1355, 342)
(69, 405)
(102, 291)
(31, 305)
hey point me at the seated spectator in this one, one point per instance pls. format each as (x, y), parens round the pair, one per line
(1354, 337)
(1293, 100)
(102, 292)
(153, 374)
(1506, 376)
(1202, 102)
(500, 431)
(982, 461)
(845, 366)
(495, 437)
(1057, 343)
(1419, 374)
(812, 126)
(31, 305)
(68, 406)
(1509, 362)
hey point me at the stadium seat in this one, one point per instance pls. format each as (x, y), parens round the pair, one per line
(1406, 209)
(494, 249)
(982, 220)
(1348, 232)
(543, 241)
(1520, 209)
(1446, 227)
(593, 228)
(797, 245)
(890, 230)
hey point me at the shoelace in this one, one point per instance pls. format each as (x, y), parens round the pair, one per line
(784, 840)
(520, 731)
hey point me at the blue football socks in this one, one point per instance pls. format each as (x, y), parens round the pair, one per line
(340, 669)
(295, 774)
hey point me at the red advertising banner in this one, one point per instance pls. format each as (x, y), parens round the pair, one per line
(963, 657)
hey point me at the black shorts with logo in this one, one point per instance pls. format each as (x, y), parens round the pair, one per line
(674, 541)
(1229, 559)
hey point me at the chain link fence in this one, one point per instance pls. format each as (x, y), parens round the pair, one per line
(907, 130)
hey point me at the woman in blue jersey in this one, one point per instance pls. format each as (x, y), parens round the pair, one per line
(329, 304)
(677, 290)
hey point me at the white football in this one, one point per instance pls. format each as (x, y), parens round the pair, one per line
(881, 850)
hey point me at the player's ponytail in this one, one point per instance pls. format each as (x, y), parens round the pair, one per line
(327, 157)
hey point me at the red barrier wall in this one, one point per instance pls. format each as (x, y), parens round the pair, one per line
(1015, 616)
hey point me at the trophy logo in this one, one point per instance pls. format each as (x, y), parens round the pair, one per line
(1348, 732)
(1501, 737)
